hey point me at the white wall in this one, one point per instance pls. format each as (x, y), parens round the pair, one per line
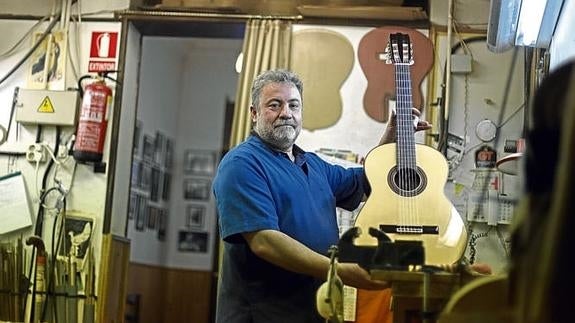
(99, 8)
(87, 190)
(183, 87)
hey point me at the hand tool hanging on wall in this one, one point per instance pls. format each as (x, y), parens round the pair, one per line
(39, 286)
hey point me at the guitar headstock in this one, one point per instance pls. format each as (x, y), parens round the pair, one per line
(399, 50)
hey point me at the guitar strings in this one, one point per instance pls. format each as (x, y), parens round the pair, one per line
(406, 149)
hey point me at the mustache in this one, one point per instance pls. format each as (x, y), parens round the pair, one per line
(285, 123)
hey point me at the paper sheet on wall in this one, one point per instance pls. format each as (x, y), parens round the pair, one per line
(15, 210)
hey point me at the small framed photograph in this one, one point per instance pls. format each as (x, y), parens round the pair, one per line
(169, 156)
(166, 182)
(159, 146)
(155, 184)
(199, 162)
(162, 224)
(148, 151)
(145, 177)
(78, 231)
(195, 216)
(136, 169)
(142, 213)
(192, 241)
(197, 189)
(152, 217)
(132, 205)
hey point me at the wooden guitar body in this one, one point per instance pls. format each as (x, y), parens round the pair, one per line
(323, 59)
(425, 205)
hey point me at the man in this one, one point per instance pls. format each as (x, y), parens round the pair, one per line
(276, 206)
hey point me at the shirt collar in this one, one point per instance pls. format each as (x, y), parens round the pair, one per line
(298, 153)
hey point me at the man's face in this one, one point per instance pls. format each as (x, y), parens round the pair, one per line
(278, 117)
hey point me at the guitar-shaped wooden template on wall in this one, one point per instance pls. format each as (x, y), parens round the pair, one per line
(380, 82)
(323, 59)
(407, 200)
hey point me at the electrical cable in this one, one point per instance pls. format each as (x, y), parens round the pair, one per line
(38, 225)
(444, 122)
(50, 290)
(30, 52)
(9, 52)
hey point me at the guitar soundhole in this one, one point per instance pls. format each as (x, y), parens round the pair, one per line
(407, 182)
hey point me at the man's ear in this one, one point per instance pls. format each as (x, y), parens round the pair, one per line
(253, 113)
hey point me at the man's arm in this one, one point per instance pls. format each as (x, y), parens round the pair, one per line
(289, 254)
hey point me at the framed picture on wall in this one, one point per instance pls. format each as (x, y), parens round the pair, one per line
(199, 162)
(197, 189)
(169, 156)
(155, 184)
(152, 217)
(159, 147)
(162, 224)
(142, 211)
(148, 149)
(78, 230)
(192, 241)
(166, 182)
(195, 216)
(132, 205)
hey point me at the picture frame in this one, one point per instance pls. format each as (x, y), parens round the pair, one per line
(132, 205)
(169, 155)
(142, 212)
(195, 216)
(193, 241)
(148, 149)
(197, 189)
(159, 147)
(166, 182)
(162, 224)
(78, 233)
(155, 184)
(152, 217)
(199, 162)
(145, 177)
(136, 173)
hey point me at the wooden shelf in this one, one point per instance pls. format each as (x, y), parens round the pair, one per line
(364, 12)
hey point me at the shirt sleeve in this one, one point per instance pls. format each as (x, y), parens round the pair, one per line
(349, 185)
(243, 199)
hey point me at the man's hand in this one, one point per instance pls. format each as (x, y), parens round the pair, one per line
(355, 276)
(389, 135)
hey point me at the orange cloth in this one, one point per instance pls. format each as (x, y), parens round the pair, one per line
(373, 306)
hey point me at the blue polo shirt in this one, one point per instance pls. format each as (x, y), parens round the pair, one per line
(258, 188)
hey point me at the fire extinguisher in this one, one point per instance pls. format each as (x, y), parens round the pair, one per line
(93, 120)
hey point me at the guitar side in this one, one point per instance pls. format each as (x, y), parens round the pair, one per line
(428, 208)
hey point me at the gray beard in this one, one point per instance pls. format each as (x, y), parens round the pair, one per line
(280, 138)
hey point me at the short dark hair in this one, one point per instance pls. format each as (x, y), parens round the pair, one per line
(274, 76)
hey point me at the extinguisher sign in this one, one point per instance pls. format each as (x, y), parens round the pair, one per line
(103, 50)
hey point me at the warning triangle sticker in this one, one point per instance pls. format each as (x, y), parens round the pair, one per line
(46, 106)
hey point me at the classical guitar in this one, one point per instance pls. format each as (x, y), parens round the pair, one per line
(380, 82)
(407, 201)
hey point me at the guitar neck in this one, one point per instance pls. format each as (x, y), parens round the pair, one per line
(405, 128)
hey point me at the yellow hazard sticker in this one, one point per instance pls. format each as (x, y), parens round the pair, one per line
(46, 106)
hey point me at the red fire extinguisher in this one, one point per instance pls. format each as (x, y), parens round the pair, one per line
(93, 120)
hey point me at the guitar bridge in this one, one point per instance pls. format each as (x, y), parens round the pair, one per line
(409, 229)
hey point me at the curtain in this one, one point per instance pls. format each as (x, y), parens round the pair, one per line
(267, 45)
